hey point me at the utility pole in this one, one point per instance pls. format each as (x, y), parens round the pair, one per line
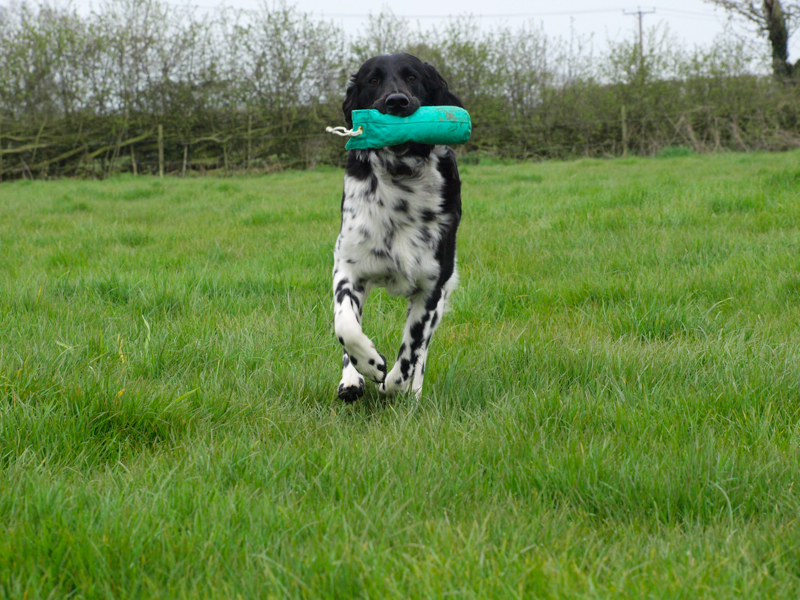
(640, 13)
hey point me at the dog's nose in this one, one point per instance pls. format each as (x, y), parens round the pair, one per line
(397, 101)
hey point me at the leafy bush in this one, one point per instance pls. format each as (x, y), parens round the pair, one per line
(242, 91)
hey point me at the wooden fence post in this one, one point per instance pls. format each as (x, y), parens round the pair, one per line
(249, 142)
(185, 157)
(624, 132)
(133, 161)
(160, 150)
(36, 143)
(112, 168)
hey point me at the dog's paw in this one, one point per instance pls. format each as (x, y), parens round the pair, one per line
(351, 387)
(371, 364)
(351, 393)
(375, 368)
(394, 383)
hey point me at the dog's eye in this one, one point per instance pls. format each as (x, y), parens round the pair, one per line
(411, 77)
(374, 81)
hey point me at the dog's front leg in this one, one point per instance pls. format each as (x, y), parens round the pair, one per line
(424, 315)
(360, 352)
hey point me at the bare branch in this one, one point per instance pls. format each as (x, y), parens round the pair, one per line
(756, 12)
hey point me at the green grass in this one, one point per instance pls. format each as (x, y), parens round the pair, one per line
(611, 409)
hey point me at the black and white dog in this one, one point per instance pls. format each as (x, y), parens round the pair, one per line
(401, 208)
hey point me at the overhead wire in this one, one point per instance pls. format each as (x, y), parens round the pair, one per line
(510, 15)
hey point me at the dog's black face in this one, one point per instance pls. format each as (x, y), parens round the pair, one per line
(396, 84)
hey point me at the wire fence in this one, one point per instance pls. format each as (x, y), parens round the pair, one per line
(262, 147)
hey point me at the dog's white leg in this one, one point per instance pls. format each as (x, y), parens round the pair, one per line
(424, 316)
(351, 387)
(361, 354)
(419, 369)
(419, 373)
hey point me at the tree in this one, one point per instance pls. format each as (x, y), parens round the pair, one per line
(384, 34)
(778, 38)
(778, 21)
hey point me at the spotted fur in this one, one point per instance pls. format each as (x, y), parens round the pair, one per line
(401, 208)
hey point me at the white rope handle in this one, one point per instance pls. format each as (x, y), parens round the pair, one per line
(345, 132)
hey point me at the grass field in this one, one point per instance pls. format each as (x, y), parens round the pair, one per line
(611, 409)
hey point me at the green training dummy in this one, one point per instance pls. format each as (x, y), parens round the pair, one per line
(428, 125)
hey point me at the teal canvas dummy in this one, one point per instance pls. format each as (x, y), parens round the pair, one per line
(443, 125)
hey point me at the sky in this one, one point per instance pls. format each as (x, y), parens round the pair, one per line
(693, 22)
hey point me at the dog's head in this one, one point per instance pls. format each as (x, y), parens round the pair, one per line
(396, 84)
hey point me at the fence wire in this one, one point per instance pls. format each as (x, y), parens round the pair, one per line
(257, 148)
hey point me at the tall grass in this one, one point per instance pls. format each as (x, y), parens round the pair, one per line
(611, 407)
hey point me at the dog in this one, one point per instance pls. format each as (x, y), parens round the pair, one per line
(401, 207)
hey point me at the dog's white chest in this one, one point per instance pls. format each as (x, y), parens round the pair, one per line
(391, 226)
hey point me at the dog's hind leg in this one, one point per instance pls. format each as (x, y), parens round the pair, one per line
(360, 353)
(419, 373)
(424, 316)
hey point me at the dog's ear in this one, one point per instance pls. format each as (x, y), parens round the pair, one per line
(438, 92)
(350, 101)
